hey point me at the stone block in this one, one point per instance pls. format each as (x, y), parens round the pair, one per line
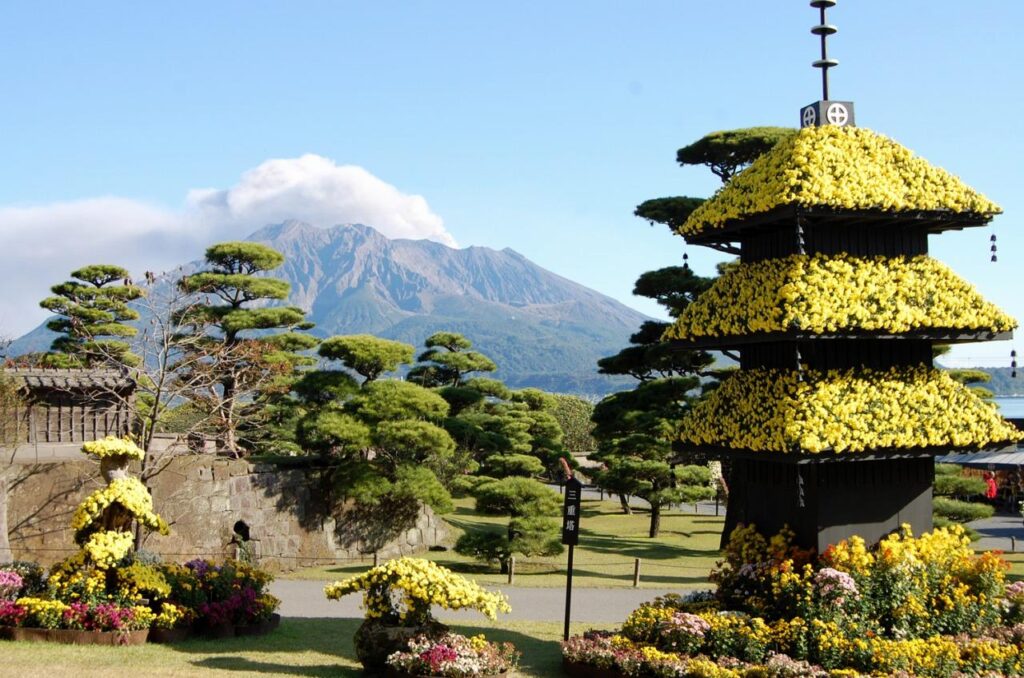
(241, 484)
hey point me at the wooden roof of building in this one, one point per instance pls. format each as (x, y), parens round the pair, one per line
(72, 379)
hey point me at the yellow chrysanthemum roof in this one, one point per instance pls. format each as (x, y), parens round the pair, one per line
(838, 293)
(130, 493)
(848, 168)
(113, 446)
(813, 412)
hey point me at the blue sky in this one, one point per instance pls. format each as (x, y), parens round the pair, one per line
(537, 126)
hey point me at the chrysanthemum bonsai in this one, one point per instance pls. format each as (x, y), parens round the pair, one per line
(100, 588)
(398, 596)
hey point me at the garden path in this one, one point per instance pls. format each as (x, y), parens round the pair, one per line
(306, 599)
(1003, 532)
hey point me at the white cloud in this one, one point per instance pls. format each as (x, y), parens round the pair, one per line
(40, 245)
(315, 189)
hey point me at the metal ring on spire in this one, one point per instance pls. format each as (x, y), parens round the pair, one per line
(823, 30)
(825, 112)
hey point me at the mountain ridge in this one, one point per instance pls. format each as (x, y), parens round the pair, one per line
(540, 328)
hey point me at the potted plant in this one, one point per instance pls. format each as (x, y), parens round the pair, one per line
(452, 656)
(398, 596)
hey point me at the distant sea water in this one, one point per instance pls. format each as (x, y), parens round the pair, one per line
(1011, 408)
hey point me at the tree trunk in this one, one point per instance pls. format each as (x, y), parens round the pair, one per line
(624, 502)
(655, 520)
(227, 412)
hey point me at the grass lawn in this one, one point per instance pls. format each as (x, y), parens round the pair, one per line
(1016, 561)
(681, 556)
(300, 647)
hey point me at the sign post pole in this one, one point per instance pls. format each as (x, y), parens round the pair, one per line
(570, 535)
(568, 594)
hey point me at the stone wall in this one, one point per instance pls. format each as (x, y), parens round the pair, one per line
(202, 497)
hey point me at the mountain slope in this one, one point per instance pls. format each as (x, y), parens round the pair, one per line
(540, 328)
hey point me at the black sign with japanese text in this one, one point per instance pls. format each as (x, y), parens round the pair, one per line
(571, 512)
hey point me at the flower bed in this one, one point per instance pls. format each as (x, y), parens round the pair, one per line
(453, 656)
(771, 410)
(211, 599)
(849, 168)
(923, 606)
(104, 589)
(838, 294)
(40, 619)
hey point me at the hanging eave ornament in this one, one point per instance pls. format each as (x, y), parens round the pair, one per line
(826, 111)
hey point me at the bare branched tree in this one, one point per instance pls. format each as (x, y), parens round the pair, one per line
(12, 404)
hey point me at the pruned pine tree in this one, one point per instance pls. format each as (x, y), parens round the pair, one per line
(367, 355)
(635, 430)
(532, 529)
(249, 345)
(382, 439)
(448, 360)
(92, 312)
(504, 432)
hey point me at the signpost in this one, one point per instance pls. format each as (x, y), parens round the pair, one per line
(570, 534)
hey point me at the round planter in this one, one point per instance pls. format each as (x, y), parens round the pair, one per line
(216, 631)
(395, 673)
(163, 636)
(375, 641)
(584, 670)
(260, 628)
(74, 637)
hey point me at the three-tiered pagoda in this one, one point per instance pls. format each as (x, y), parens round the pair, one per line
(831, 423)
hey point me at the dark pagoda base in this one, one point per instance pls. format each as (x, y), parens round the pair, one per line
(824, 502)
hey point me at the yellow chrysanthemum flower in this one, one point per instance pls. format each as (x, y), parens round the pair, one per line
(828, 294)
(772, 410)
(848, 168)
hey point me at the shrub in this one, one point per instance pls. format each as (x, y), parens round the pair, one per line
(521, 465)
(961, 511)
(516, 497)
(948, 470)
(949, 485)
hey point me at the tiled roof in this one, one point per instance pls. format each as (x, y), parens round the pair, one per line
(71, 379)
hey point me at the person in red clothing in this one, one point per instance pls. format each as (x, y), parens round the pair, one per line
(991, 490)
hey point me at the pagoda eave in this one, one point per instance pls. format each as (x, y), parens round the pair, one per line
(802, 458)
(932, 221)
(944, 336)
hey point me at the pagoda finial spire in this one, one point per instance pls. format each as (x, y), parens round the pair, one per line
(824, 29)
(825, 112)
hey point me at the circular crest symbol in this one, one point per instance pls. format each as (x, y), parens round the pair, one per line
(809, 116)
(837, 114)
